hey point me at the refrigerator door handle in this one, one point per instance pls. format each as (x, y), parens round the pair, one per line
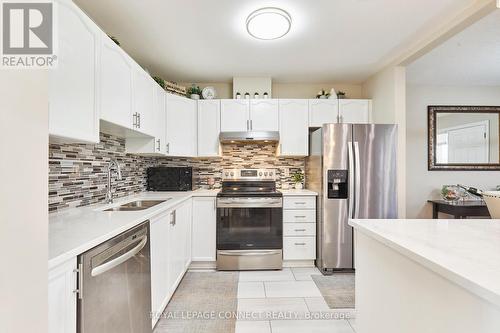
(350, 190)
(357, 181)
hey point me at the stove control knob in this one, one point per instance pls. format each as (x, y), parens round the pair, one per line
(265, 173)
(270, 174)
(232, 174)
(226, 174)
(260, 174)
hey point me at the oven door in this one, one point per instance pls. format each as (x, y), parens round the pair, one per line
(249, 223)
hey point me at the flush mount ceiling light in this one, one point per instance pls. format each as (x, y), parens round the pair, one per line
(269, 23)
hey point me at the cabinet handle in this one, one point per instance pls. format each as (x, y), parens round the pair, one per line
(173, 218)
(251, 124)
(159, 145)
(300, 243)
(139, 120)
(300, 203)
(134, 120)
(300, 229)
(168, 148)
(79, 277)
(300, 216)
(247, 125)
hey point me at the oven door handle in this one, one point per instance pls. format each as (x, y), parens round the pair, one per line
(248, 253)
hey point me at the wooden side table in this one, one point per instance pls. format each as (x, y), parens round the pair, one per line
(459, 210)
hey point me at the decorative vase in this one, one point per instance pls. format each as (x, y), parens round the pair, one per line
(299, 186)
(195, 96)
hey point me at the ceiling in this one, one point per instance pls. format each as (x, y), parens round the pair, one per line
(470, 58)
(206, 41)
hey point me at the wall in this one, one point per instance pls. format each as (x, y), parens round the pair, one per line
(424, 184)
(23, 200)
(387, 89)
(78, 172)
(290, 90)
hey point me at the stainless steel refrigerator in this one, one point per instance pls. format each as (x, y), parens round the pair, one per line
(353, 169)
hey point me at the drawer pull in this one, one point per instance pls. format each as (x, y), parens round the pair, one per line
(300, 243)
(300, 229)
(300, 203)
(300, 216)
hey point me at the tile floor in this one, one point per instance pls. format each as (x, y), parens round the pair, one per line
(287, 301)
(266, 302)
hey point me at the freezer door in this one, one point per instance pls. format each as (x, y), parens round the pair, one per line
(375, 177)
(335, 235)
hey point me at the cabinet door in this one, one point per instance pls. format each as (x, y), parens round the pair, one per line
(234, 115)
(160, 286)
(322, 111)
(62, 298)
(116, 84)
(208, 127)
(160, 122)
(294, 132)
(354, 111)
(175, 252)
(264, 115)
(144, 101)
(74, 84)
(204, 224)
(181, 126)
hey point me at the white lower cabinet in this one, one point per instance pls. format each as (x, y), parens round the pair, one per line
(62, 297)
(299, 228)
(204, 226)
(159, 249)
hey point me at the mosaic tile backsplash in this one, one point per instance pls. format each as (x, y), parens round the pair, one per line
(78, 172)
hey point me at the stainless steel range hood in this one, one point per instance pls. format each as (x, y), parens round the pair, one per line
(250, 136)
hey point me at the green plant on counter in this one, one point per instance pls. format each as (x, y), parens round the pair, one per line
(297, 177)
(160, 81)
(194, 90)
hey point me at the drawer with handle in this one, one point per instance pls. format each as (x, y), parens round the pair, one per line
(299, 229)
(299, 215)
(299, 203)
(299, 248)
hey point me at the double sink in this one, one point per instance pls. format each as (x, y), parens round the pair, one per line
(136, 205)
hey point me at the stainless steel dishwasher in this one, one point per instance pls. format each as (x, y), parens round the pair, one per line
(114, 284)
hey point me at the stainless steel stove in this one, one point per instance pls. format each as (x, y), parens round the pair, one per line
(249, 221)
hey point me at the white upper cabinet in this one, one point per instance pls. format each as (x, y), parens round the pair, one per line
(181, 128)
(355, 111)
(116, 85)
(73, 84)
(235, 115)
(160, 119)
(264, 115)
(294, 134)
(322, 111)
(144, 101)
(208, 127)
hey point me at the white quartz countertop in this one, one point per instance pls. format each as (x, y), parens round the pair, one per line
(298, 193)
(76, 230)
(466, 252)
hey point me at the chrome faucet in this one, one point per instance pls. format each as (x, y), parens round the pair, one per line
(112, 163)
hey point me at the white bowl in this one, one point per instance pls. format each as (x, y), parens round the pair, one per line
(492, 199)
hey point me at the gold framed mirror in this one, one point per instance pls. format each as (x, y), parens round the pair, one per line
(463, 138)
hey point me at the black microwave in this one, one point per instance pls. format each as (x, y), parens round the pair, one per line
(170, 179)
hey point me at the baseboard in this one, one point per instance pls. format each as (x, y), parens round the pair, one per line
(202, 265)
(298, 263)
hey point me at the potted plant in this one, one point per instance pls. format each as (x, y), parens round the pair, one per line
(298, 178)
(341, 95)
(322, 94)
(160, 81)
(194, 92)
